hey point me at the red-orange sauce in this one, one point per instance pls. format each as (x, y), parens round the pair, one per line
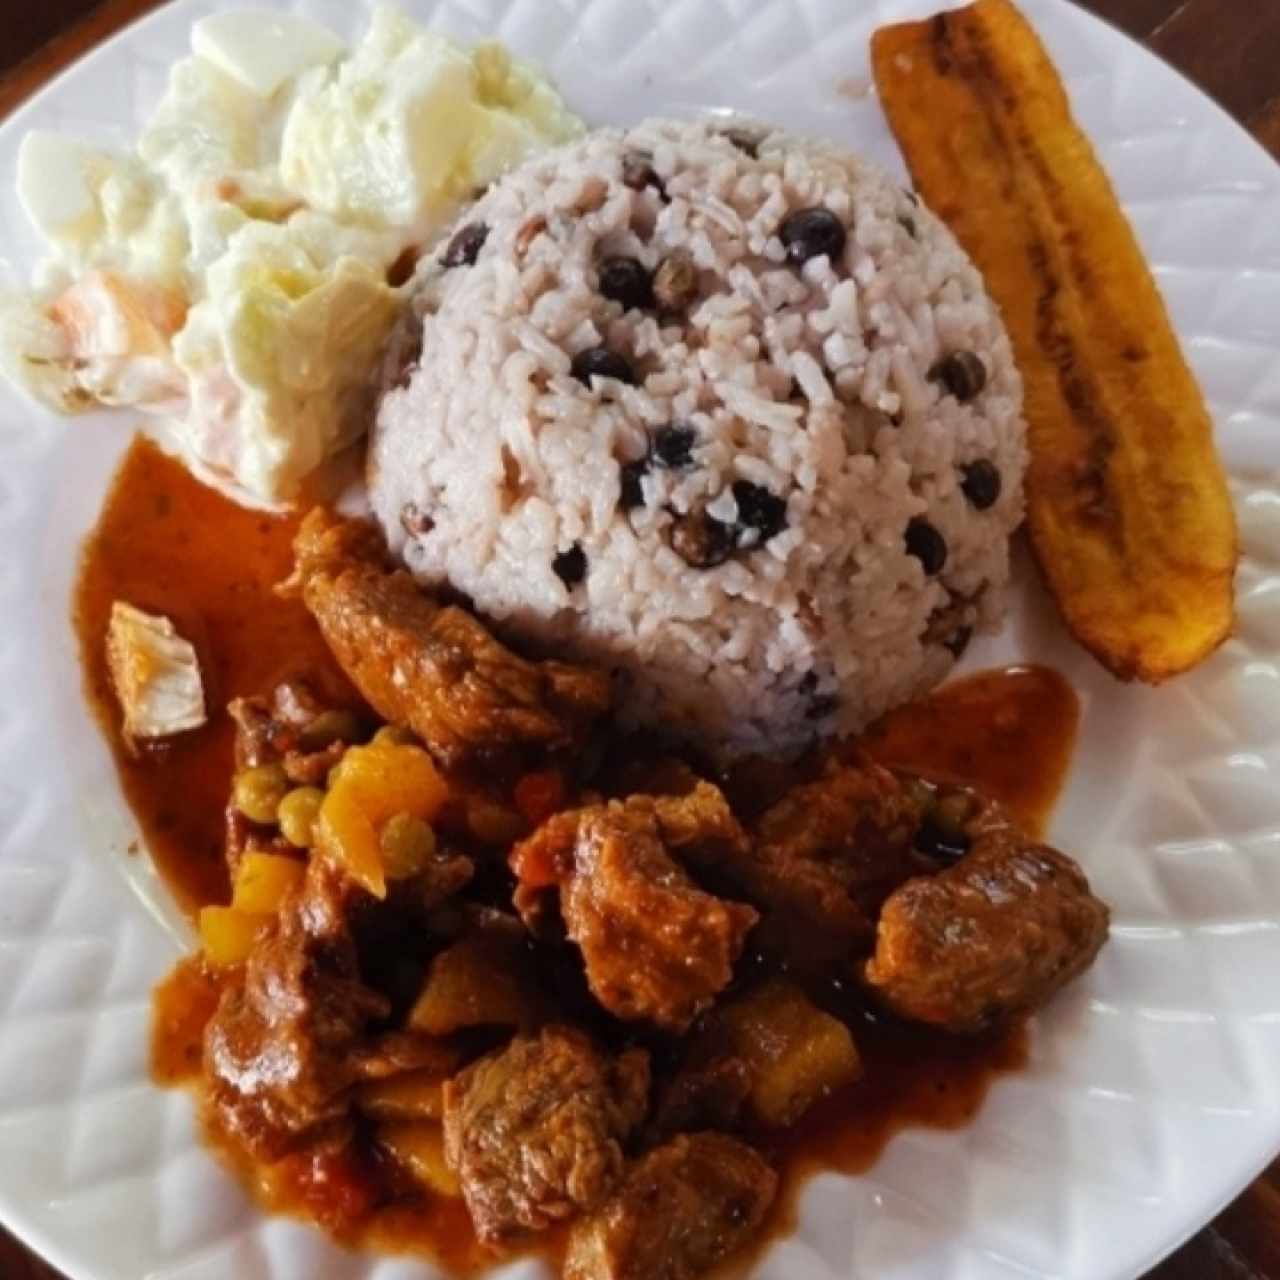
(181, 1006)
(1009, 733)
(166, 543)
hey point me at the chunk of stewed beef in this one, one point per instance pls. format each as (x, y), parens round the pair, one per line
(278, 1053)
(436, 668)
(682, 1209)
(819, 863)
(535, 1132)
(656, 947)
(992, 936)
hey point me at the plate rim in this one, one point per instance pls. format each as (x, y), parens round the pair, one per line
(50, 1247)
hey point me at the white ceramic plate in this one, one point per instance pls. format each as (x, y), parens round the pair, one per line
(1153, 1093)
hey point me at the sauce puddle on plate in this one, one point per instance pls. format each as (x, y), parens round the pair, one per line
(170, 545)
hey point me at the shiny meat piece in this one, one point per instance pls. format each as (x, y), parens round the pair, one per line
(858, 821)
(680, 1210)
(655, 946)
(295, 703)
(696, 822)
(258, 738)
(279, 1051)
(994, 935)
(820, 861)
(434, 668)
(302, 1025)
(312, 768)
(535, 1132)
(808, 919)
(275, 730)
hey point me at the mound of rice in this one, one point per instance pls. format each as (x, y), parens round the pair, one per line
(778, 530)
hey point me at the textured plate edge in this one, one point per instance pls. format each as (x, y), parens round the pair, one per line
(105, 50)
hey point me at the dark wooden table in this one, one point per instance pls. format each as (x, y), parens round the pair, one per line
(1231, 48)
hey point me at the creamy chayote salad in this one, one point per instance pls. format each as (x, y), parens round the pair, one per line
(237, 273)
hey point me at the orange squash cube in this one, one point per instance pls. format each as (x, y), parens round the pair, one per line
(263, 879)
(371, 785)
(228, 935)
(345, 833)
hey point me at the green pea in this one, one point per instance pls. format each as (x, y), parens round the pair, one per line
(298, 813)
(330, 727)
(408, 844)
(257, 792)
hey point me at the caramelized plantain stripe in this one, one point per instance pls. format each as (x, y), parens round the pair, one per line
(1127, 504)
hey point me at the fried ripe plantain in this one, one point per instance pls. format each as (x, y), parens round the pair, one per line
(1127, 503)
